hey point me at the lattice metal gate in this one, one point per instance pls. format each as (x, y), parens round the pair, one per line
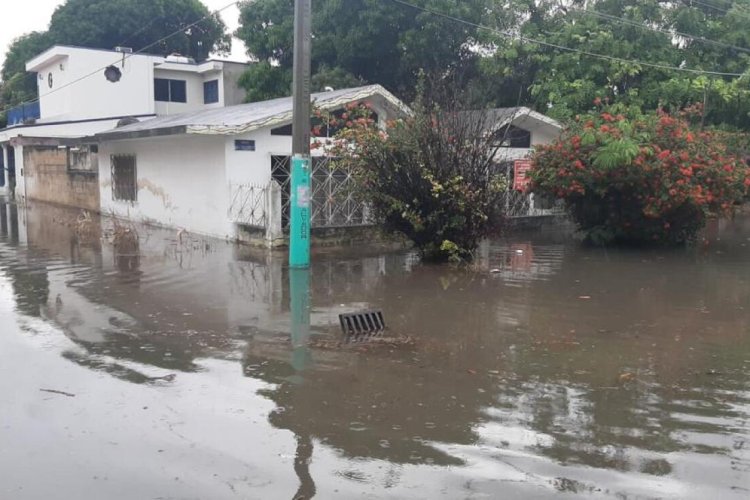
(334, 202)
(248, 205)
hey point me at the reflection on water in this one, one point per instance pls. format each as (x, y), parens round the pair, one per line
(552, 368)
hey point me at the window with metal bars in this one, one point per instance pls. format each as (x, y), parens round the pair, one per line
(124, 178)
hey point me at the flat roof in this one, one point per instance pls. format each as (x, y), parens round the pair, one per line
(49, 56)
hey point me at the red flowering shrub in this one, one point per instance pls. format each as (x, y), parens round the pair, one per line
(639, 178)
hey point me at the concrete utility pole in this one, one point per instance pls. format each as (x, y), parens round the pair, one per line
(299, 229)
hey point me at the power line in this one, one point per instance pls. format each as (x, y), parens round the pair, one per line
(711, 6)
(745, 14)
(630, 22)
(562, 47)
(141, 30)
(126, 56)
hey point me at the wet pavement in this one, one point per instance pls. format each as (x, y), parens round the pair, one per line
(163, 366)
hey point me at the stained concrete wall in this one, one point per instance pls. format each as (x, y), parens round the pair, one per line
(181, 183)
(47, 178)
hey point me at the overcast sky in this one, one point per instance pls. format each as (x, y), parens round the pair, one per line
(33, 15)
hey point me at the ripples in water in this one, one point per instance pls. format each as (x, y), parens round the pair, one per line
(547, 368)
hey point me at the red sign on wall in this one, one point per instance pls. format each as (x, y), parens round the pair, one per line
(521, 180)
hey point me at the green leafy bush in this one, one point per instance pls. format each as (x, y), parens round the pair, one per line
(429, 177)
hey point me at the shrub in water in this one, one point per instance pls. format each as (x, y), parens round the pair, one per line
(430, 177)
(630, 177)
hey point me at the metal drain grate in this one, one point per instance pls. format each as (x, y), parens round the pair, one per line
(368, 322)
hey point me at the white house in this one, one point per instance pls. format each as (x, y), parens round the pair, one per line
(165, 140)
(84, 91)
(222, 172)
(521, 129)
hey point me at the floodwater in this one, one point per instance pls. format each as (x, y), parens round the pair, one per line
(171, 367)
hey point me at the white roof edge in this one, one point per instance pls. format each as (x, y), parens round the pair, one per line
(49, 56)
(202, 67)
(278, 119)
(524, 111)
(57, 52)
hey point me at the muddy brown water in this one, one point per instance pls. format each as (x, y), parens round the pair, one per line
(162, 366)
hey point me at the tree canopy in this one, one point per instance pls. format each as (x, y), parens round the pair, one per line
(137, 24)
(17, 85)
(542, 53)
(106, 24)
(359, 41)
(644, 40)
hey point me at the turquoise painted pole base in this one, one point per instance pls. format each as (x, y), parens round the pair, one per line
(299, 291)
(299, 227)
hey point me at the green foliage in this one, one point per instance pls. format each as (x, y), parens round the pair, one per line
(564, 83)
(429, 177)
(337, 78)
(371, 41)
(138, 23)
(264, 81)
(376, 41)
(633, 177)
(17, 85)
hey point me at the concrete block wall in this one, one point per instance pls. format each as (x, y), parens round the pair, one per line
(48, 178)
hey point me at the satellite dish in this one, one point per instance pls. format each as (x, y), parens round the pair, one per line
(113, 74)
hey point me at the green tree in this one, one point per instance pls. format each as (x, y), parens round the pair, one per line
(369, 41)
(138, 23)
(17, 85)
(564, 83)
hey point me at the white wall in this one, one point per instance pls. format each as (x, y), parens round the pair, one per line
(94, 96)
(80, 91)
(181, 183)
(544, 135)
(232, 93)
(254, 167)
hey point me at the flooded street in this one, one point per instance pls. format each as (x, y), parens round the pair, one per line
(162, 367)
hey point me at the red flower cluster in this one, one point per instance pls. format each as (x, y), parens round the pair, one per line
(645, 177)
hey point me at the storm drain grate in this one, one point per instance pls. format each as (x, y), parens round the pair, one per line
(368, 322)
